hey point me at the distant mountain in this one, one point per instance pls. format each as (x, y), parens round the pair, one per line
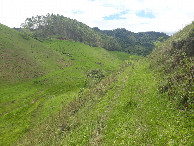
(141, 43)
(60, 27)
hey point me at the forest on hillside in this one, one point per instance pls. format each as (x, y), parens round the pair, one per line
(141, 43)
(60, 27)
(63, 28)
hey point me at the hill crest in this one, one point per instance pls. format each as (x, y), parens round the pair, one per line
(60, 27)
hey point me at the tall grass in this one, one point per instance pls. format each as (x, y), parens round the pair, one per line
(125, 108)
(42, 78)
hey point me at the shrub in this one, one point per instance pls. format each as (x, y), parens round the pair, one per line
(94, 76)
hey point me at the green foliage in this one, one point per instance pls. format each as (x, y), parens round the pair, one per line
(63, 28)
(96, 73)
(191, 34)
(94, 76)
(174, 59)
(25, 34)
(136, 43)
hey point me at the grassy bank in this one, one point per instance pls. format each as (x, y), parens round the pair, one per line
(125, 108)
(26, 102)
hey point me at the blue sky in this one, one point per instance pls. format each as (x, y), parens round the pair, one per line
(167, 16)
(145, 14)
(120, 15)
(116, 16)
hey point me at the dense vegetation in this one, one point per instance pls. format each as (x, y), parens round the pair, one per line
(55, 91)
(63, 28)
(60, 27)
(174, 59)
(141, 43)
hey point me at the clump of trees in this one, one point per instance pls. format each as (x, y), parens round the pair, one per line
(60, 27)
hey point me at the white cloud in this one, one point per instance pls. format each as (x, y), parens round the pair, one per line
(170, 15)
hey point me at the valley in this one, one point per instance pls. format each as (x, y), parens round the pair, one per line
(84, 86)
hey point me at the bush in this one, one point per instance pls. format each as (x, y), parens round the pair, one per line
(25, 34)
(94, 76)
(95, 73)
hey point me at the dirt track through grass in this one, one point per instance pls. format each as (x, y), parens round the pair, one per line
(128, 110)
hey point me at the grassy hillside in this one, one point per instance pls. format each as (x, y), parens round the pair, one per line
(131, 106)
(38, 79)
(23, 59)
(123, 109)
(174, 59)
(86, 95)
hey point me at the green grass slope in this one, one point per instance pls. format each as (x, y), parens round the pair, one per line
(98, 97)
(38, 79)
(131, 106)
(175, 60)
(123, 109)
(23, 59)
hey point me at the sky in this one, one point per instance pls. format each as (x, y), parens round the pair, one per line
(167, 16)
